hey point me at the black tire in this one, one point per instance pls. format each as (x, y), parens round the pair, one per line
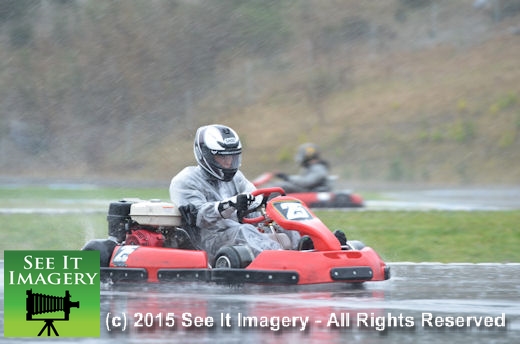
(342, 200)
(233, 257)
(105, 248)
(356, 244)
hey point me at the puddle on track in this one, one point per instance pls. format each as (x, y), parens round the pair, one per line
(389, 312)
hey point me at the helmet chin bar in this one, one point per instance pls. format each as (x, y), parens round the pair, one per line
(228, 174)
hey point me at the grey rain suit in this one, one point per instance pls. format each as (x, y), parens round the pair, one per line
(195, 186)
(311, 178)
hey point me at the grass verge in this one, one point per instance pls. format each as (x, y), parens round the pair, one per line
(436, 236)
(416, 236)
(474, 237)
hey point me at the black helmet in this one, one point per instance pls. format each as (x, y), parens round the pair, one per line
(218, 151)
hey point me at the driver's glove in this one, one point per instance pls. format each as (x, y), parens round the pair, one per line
(254, 202)
(240, 202)
(282, 176)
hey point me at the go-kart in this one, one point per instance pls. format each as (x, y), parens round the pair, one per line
(154, 241)
(319, 199)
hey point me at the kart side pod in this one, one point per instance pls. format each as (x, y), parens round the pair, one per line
(147, 262)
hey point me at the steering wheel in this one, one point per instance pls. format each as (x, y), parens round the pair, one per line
(265, 197)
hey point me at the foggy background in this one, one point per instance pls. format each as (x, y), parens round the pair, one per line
(396, 91)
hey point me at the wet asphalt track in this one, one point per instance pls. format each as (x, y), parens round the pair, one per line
(403, 309)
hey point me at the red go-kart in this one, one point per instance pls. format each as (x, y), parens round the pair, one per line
(320, 199)
(152, 241)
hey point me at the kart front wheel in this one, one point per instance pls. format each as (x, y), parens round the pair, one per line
(233, 257)
(356, 244)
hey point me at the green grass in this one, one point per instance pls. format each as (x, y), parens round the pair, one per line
(40, 231)
(396, 236)
(44, 196)
(437, 236)
(416, 236)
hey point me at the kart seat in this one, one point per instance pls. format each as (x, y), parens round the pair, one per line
(188, 236)
(181, 239)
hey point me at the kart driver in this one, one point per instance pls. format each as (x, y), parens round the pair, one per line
(212, 190)
(314, 174)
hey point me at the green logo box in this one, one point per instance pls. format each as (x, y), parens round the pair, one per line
(51, 293)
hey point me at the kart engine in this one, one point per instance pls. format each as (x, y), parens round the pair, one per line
(143, 223)
(143, 237)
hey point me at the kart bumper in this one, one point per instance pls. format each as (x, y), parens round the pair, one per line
(236, 276)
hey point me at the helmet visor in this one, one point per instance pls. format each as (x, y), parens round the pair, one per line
(229, 161)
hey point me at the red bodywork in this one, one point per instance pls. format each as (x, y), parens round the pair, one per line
(330, 199)
(319, 199)
(292, 214)
(315, 266)
(153, 259)
(328, 262)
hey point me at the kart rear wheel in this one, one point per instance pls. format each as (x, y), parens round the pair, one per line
(342, 200)
(233, 257)
(105, 248)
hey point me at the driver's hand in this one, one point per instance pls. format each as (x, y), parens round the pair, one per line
(246, 201)
(282, 176)
(239, 203)
(255, 202)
